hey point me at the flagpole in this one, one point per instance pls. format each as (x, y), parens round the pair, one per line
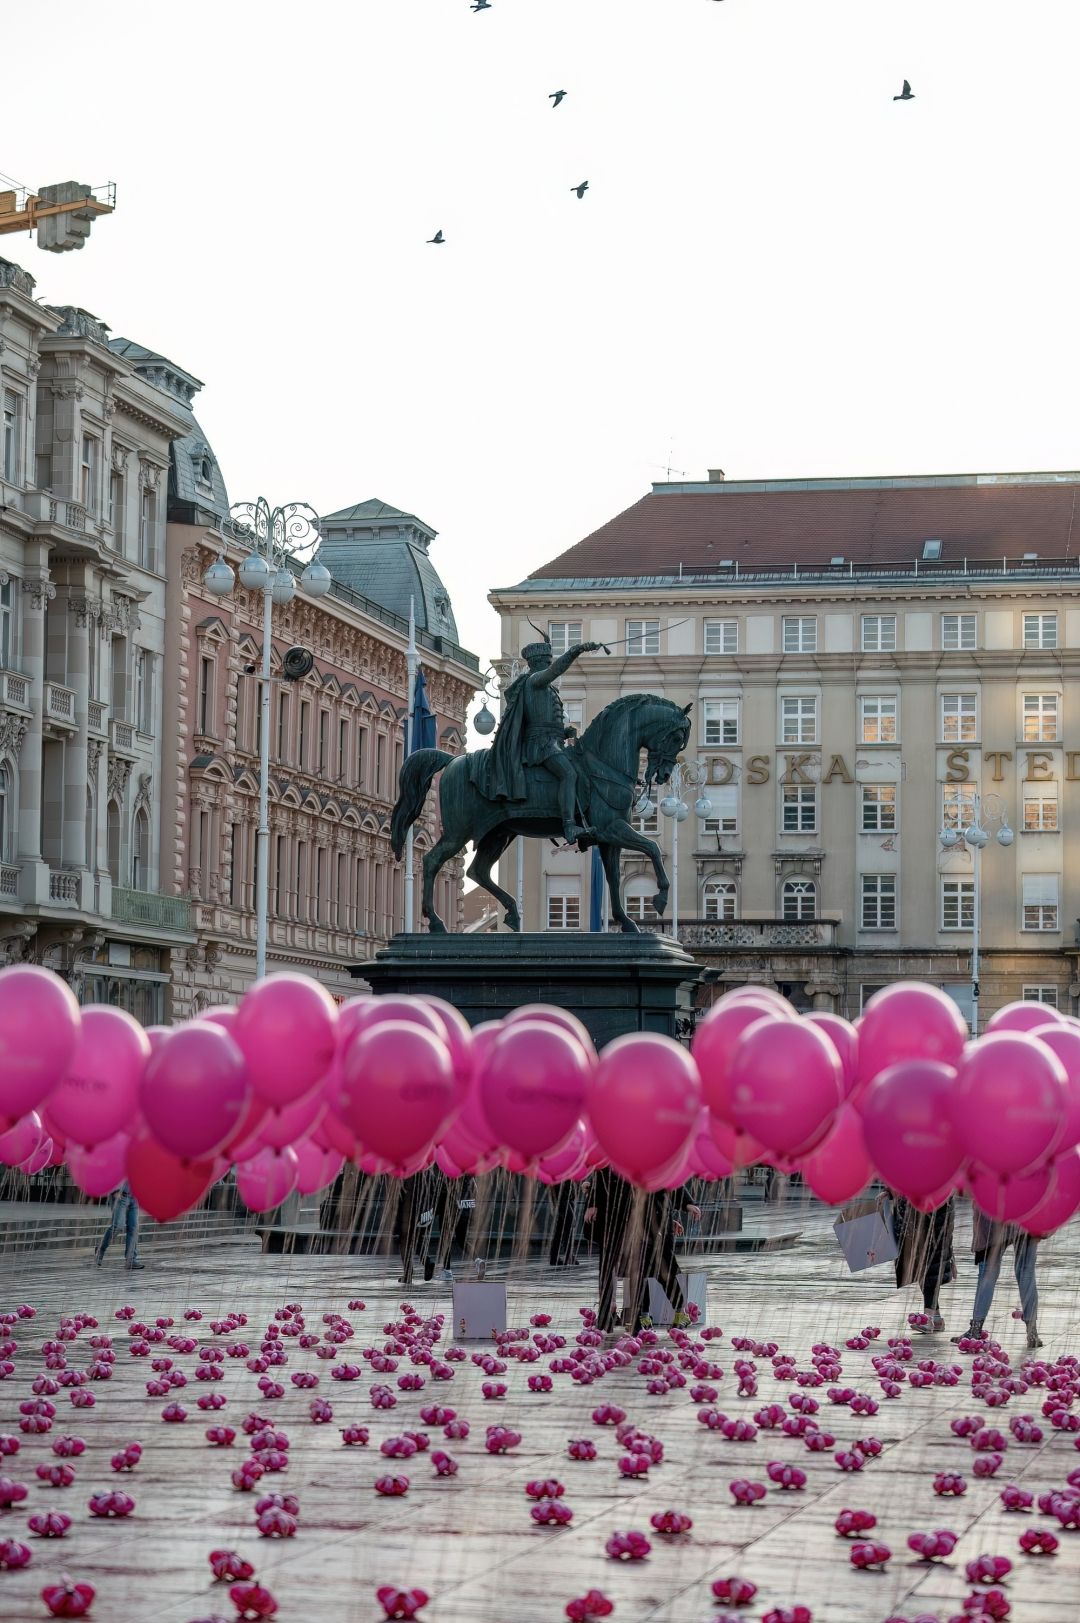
(410, 915)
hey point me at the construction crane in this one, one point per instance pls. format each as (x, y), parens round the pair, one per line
(62, 214)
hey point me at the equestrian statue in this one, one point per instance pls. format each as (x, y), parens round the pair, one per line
(540, 780)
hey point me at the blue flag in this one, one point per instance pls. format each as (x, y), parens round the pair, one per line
(423, 718)
(596, 892)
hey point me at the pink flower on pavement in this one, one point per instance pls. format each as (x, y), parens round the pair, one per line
(220, 1436)
(392, 1487)
(11, 1492)
(851, 1522)
(933, 1546)
(252, 1602)
(627, 1547)
(68, 1447)
(745, 1492)
(67, 1599)
(789, 1614)
(445, 1464)
(127, 1458)
(608, 1414)
(1038, 1541)
(499, 1439)
(581, 1448)
(111, 1504)
(989, 1603)
(587, 1607)
(549, 1488)
(13, 1555)
(949, 1483)
(355, 1436)
(49, 1524)
(867, 1553)
(670, 1522)
(275, 1522)
(228, 1567)
(786, 1476)
(551, 1512)
(988, 1569)
(1014, 1498)
(401, 1603)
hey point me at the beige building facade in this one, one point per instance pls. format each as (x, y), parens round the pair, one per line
(868, 663)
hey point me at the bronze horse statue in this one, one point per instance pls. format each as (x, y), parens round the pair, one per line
(607, 763)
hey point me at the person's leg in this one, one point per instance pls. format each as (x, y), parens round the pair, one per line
(563, 1233)
(615, 1214)
(107, 1238)
(131, 1237)
(1026, 1250)
(989, 1269)
(407, 1219)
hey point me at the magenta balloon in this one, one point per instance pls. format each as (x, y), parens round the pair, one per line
(554, 1016)
(714, 1045)
(1009, 1200)
(462, 1149)
(709, 1161)
(644, 1098)
(266, 1181)
(291, 1123)
(40, 1159)
(99, 1096)
(99, 1171)
(39, 1028)
(757, 994)
(333, 1134)
(532, 1086)
(459, 1037)
(1009, 1102)
(566, 1160)
(735, 1146)
(839, 1168)
(163, 1184)
(316, 1168)
(373, 1165)
(472, 1116)
(908, 1127)
(845, 1039)
(1063, 1039)
(19, 1142)
(785, 1082)
(195, 1091)
(909, 1020)
(397, 1088)
(445, 1164)
(1024, 1016)
(1062, 1201)
(672, 1175)
(286, 1030)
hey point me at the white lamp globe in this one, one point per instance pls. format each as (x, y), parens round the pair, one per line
(976, 836)
(255, 572)
(703, 807)
(284, 588)
(219, 579)
(949, 837)
(669, 805)
(316, 580)
(682, 811)
(643, 806)
(484, 721)
(1005, 836)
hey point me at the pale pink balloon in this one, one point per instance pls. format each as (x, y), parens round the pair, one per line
(532, 1086)
(99, 1171)
(286, 1029)
(39, 1028)
(19, 1142)
(757, 994)
(909, 1020)
(1009, 1200)
(845, 1039)
(1062, 1201)
(290, 1124)
(41, 1158)
(785, 1083)
(908, 1127)
(554, 1016)
(644, 1098)
(714, 1044)
(840, 1167)
(195, 1091)
(1008, 1103)
(1063, 1039)
(316, 1168)
(264, 1182)
(397, 1088)
(1024, 1016)
(99, 1095)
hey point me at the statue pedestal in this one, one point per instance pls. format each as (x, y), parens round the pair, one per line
(613, 983)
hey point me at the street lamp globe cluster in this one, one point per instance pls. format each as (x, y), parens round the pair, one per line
(685, 775)
(988, 809)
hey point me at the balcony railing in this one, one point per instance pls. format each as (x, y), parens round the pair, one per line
(97, 716)
(756, 934)
(147, 907)
(9, 880)
(72, 515)
(122, 736)
(59, 704)
(15, 690)
(64, 888)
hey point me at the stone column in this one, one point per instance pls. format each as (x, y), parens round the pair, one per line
(36, 592)
(73, 839)
(824, 995)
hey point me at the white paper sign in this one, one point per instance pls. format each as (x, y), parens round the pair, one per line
(695, 1292)
(479, 1311)
(865, 1241)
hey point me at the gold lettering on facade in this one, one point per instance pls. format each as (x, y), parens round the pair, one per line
(796, 768)
(956, 764)
(1039, 764)
(997, 756)
(1071, 758)
(723, 770)
(838, 769)
(757, 769)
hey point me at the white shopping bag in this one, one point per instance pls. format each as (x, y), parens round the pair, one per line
(479, 1311)
(695, 1292)
(865, 1241)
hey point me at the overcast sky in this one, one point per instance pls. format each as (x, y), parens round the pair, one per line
(777, 270)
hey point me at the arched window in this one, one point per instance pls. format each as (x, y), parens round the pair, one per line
(140, 852)
(114, 841)
(719, 899)
(7, 813)
(798, 900)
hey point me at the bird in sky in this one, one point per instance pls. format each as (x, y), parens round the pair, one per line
(438, 238)
(556, 97)
(582, 189)
(907, 94)
(481, 5)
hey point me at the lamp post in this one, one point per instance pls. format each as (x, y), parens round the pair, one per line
(992, 808)
(278, 537)
(685, 775)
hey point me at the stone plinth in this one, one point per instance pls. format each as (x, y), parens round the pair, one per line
(613, 983)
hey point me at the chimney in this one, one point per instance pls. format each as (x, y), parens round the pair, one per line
(716, 476)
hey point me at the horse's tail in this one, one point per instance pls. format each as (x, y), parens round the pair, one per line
(416, 779)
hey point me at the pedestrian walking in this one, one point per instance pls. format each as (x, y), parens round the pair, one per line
(924, 1254)
(990, 1241)
(124, 1218)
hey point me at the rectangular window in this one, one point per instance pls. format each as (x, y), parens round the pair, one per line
(799, 808)
(144, 691)
(958, 904)
(380, 763)
(879, 808)
(721, 636)
(342, 749)
(1040, 718)
(324, 740)
(302, 740)
(866, 992)
(1040, 630)
(1041, 808)
(957, 805)
(720, 900)
(878, 898)
(320, 882)
(206, 695)
(1042, 994)
(574, 711)
(563, 634)
(725, 812)
(878, 633)
(798, 721)
(116, 509)
(281, 878)
(7, 625)
(721, 720)
(148, 530)
(959, 718)
(650, 823)
(799, 901)
(642, 636)
(800, 633)
(1040, 901)
(563, 910)
(235, 875)
(88, 473)
(878, 716)
(958, 631)
(361, 756)
(282, 725)
(640, 909)
(10, 448)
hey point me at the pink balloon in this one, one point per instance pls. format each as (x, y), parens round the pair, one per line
(458, 1037)
(735, 1146)
(554, 1016)
(839, 1168)
(39, 1028)
(99, 1171)
(288, 1125)
(397, 1088)
(472, 1116)
(162, 1184)
(19, 1142)
(1024, 1017)
(565, 1161)
(41, 1158)
(316, 1168)
(757, 994)
(264, 1182)
(1062, 1200)
(845, 1039)
(286, 1029)
(1008, 1104)
(714, 1044)
(1009, 1200)
(644, 1098)
(195, 1091)
(99, 1095)
(908, 1127)
(1063, 1039)
(785, 1082)
(333, 1134)
(459, 1147)
(532, 1086)
(706, 1160)
(909, 1020)
(225, 1016)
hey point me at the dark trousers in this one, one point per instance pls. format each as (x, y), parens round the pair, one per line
(562, 1235)
(410, 1205)
(654, 1256)
(614, 1209)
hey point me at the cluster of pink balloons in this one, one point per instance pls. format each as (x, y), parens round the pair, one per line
(286, 1086)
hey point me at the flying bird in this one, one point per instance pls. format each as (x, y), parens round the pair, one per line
(907, 94)
(582, 189)
(557, 96)
(438, 238)
(481, 5)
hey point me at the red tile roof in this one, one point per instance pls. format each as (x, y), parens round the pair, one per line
(866, 524)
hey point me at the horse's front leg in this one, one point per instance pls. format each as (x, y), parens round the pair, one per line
(622, 833)
(610, 856)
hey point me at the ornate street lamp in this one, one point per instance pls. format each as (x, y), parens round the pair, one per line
(686, 775)
(991, 809)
